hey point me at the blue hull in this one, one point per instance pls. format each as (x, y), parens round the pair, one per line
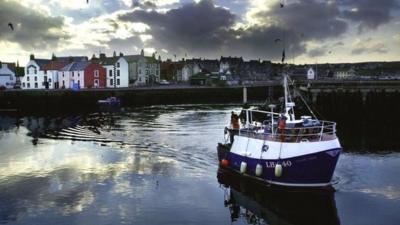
(307, 170)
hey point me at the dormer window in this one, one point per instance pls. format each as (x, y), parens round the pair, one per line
(117, 64)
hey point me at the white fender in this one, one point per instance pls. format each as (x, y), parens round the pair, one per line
(278, 170)
(243, 167)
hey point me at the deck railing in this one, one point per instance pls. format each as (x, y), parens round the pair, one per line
(323, 130)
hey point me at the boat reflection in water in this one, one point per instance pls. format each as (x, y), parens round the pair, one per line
(257, 203)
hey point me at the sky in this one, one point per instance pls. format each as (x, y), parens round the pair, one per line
(310, 31)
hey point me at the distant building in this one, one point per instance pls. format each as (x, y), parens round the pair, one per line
(310, 74)
(345, 74)
(231, 65)
(7, 75)
(35, 75)
(72, 75)
(188, 70)
(95, 76)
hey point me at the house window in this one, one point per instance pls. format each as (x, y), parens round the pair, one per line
(140, 71)
(96, 82)
(96, 73)
(36, 85)
(111, 81)
(45, 78)
(35, 78)
(79, 74)
(63, 83)
(49, 80)
(35, 71)
(117, 64)
(117, 73)
(110, 73)
(63, 74)
(11, 78)
(72, 73)
(117, 81)
(23, 84)
(28, 85)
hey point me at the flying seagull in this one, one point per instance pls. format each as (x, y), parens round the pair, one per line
(282, 5)
(11, 26)
(277, 40)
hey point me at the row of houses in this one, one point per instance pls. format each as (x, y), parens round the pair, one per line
(76, 72)
(226, 68)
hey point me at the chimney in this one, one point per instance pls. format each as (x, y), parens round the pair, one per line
(114, 54)
(53, 57)
(142, 52)
(121, 54)
(32, 57)
(102, 56)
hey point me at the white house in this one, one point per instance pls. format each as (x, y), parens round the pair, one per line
(345, 74)
(189, 70)
(72, 75)
(7, 76)
(310, 74)
(35, 77)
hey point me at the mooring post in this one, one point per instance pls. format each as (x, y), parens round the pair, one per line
(244, 95)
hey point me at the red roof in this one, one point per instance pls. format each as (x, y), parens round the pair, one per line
(54, 65)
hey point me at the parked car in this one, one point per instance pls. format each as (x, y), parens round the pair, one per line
(163, 82)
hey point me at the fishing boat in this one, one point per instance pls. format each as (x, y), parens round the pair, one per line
(111, 101)
(281, 149)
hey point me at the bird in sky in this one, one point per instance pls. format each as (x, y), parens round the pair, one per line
(11, 26)
(277, 40)
(282, 5)
(87, 1)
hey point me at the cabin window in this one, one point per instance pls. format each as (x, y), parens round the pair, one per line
(96, 73)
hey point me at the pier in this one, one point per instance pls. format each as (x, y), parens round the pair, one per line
(364, 87)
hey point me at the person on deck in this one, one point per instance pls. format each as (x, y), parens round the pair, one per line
(235, 126)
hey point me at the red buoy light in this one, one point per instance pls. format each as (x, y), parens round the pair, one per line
(225, 163)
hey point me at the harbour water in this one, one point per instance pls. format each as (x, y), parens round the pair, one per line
(158, 165)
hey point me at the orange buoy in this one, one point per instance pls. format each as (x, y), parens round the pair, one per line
(225, 163)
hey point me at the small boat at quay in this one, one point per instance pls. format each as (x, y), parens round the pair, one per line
(281, 149)
(111, 101)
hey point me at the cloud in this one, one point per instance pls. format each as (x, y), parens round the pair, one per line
(370, 14)
(195, 27)
(368, 45)
(33, 29)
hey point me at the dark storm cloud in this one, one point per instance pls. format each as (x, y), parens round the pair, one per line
(194, 27)
(203, 28)
(310, 19)
(369, 13)
(32, 29)
(317, 52)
